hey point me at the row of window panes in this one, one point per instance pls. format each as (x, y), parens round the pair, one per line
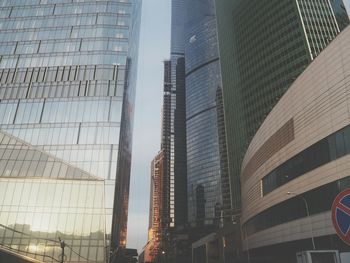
(67, 135)
(63, 21)
(99, 31)
(79, 8)
(63, 9)
(74, 45)
(44, 200)
(101, 169)
(64, 59)
(34, 211)
(25, 245)
(42, 22)
(39, 34)
(100, 162)
(83, 153)
(64, 33)
(6, 3)
(57, 90)
(60, 111)
(67, 73)
(106, 170)
(31, 163)
(43, 194)
(329, 149)
(294, 208)
(29, 11)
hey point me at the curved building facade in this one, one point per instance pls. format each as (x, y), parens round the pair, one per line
(264, 46)
(299, 160)
(207, 174)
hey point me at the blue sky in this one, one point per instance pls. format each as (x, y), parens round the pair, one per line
(154, 48)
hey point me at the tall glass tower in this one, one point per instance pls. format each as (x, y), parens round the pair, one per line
(67, 89)
(175, 139)
(207, 171)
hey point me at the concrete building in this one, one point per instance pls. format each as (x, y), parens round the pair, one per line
(298, 161)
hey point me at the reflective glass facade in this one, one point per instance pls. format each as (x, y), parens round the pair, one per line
(205, 129)
(67, 87)
(44, 198)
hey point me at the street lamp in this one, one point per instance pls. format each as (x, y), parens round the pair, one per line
(308, 215)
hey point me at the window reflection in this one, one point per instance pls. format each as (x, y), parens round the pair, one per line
(38, 220)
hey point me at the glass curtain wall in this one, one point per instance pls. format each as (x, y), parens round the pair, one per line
(43, 199)
(67, 87)
(207, 171)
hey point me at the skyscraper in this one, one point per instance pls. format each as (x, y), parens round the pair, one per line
(174, 121)
(168, 187)
(264, 46)
(178, 166)
(68, 74)
(166, 147)
(207, 171)
(173, 146)
(194, 188)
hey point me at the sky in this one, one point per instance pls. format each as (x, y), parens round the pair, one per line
(154, 49)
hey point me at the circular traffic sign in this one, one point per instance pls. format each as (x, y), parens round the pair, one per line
(341, 215)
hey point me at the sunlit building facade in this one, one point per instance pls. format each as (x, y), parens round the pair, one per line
(67, 89)
(43, 199)
(154, 244)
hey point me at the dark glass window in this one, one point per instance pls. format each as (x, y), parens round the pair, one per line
(295, 208)
(328, 149)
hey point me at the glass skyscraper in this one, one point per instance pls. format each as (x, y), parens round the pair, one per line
(67, 89)
(195, 185)
(175, 138)
(207, 172)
